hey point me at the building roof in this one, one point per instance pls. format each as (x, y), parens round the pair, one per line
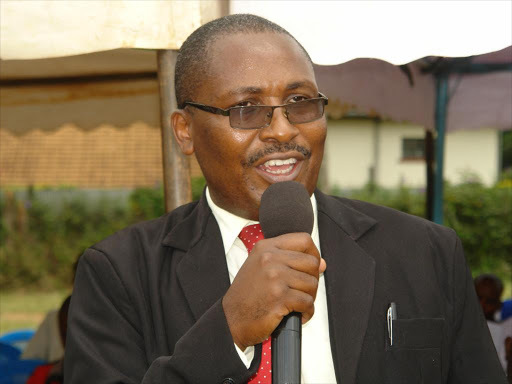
(105, 157)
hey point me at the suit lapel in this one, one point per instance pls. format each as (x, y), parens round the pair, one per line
(349, 281)
(202, 272)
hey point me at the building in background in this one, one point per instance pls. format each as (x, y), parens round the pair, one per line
(389, 154)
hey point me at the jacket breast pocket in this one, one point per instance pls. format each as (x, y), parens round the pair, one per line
(413, 349)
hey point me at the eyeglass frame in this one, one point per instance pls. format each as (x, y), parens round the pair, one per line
(226, 112)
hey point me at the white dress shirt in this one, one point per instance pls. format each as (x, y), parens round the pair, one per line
(499, 333)
(317, 365)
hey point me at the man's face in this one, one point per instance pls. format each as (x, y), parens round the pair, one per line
(489, 297)
(239, 165)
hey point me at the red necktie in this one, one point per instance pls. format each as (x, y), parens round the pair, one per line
(250, 235)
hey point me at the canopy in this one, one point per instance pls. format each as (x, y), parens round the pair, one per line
(46, 28)
(333, 32)
(399, 32)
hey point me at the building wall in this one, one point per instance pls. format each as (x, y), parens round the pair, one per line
(392, 169)
(348, 154)
(357, 148)
(472, 152)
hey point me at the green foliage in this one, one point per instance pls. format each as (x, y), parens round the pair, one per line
(481, 216)
(404, 199)
(198, 184)
(41, 238)
(147, 203)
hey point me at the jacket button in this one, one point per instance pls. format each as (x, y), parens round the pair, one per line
(228, 381)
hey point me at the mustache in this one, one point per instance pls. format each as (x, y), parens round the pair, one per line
(276, 148)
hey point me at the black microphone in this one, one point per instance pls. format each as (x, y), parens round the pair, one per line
(286, 208)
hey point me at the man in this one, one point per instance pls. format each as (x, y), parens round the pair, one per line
(489, 289)
(154, 303)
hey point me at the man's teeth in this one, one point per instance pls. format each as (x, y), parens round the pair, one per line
(278, 162)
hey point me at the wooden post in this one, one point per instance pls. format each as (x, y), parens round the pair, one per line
(177, 190)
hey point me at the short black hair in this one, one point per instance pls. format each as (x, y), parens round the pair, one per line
(489, 279)
(192, 61)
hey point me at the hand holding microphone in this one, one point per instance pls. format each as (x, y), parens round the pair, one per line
(280, 276)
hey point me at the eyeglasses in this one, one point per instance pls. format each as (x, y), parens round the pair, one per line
(260, 116)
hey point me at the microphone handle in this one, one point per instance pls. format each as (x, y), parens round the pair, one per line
(286, 350)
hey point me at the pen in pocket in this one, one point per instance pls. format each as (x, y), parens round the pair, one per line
(391, 316)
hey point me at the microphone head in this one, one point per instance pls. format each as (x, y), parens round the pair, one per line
(285, 208)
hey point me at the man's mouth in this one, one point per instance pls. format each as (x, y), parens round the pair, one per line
(276, 148)
(276, 170)
(278, 166)
(286, 164)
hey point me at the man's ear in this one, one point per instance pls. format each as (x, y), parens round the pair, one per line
(180, 126)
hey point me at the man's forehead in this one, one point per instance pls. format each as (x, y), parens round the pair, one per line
(254, 63)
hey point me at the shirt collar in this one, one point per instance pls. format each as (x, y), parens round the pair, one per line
(231, 225)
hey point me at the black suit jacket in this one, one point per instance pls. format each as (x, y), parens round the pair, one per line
(146, 307)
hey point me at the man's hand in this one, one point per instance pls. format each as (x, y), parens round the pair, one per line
(279, 276)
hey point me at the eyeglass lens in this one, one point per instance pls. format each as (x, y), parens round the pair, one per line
(250, 117)
(305, 111)
(261, 116)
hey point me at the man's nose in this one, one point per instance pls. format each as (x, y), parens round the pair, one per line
(280, 129)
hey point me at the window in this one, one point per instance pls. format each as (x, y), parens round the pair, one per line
(413, 149)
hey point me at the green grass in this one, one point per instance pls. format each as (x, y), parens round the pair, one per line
(21, 309)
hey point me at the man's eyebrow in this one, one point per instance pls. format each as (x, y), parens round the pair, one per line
(299, 84)
(245, 90)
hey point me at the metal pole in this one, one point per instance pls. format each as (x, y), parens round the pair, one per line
(177, 190)
(441, 107)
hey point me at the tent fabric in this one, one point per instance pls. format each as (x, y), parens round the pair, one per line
(51, 106)
(370, 87)
(376, 88)
(399, 32)
(333, 32)
(46, 28)
(113, 62)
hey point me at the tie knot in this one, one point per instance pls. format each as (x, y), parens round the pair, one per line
(250, 235)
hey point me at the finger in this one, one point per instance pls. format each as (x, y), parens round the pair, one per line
(302, 262)
(300, 242)
(297, 301)
(322, 267)
(301, 281)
